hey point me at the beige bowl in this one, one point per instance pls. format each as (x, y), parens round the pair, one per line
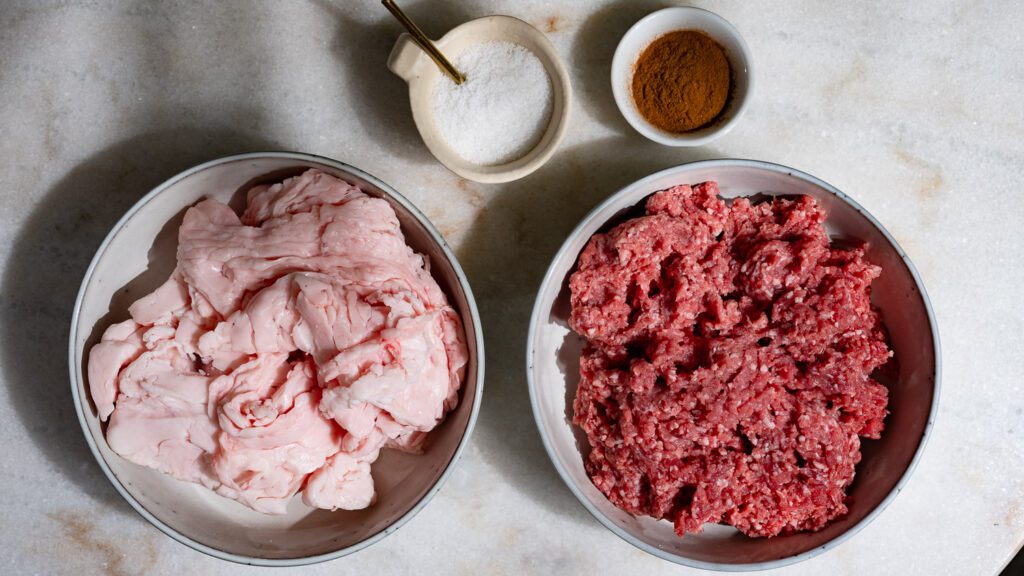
(138, 255)
(414, 66)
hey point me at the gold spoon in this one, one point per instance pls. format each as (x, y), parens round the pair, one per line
(424, 42)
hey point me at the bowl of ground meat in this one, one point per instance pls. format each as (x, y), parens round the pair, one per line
(733, 365)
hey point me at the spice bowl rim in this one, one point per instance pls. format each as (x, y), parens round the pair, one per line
(642, 33)
(411, 64)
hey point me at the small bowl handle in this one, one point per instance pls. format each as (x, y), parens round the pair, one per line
(404, 57)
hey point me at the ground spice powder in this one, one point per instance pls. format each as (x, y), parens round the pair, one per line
(681, 81)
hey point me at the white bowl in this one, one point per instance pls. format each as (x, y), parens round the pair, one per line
(413, 65)
(668, 20)
(553, 373)
(138, 255)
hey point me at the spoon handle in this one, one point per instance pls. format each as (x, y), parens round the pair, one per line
(424, 42)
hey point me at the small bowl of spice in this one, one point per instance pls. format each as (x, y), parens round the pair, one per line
(508, 115)
(682, 76)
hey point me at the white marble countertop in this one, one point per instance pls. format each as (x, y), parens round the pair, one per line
(912, 108)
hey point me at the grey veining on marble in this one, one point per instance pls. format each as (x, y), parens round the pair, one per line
(912, 108)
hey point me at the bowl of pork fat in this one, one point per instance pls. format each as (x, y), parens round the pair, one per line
(138, 256)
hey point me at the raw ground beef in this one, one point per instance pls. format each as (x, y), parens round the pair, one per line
(727, 372)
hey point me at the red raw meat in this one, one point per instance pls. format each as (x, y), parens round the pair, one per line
(727, 373)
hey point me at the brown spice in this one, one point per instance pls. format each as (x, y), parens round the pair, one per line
(681, 81)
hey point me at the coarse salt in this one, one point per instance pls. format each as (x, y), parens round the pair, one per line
(502, 109)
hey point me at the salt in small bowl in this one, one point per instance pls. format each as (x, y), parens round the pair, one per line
(414, 66)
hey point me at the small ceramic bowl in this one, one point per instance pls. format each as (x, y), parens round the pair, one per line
(656, 24)
(414, 66)
(138, 255)
(553, 355)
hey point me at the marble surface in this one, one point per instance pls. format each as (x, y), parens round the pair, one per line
(914, 109)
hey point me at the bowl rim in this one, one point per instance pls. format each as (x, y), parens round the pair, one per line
(393, 194)
(682, 560)
(624, 99)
